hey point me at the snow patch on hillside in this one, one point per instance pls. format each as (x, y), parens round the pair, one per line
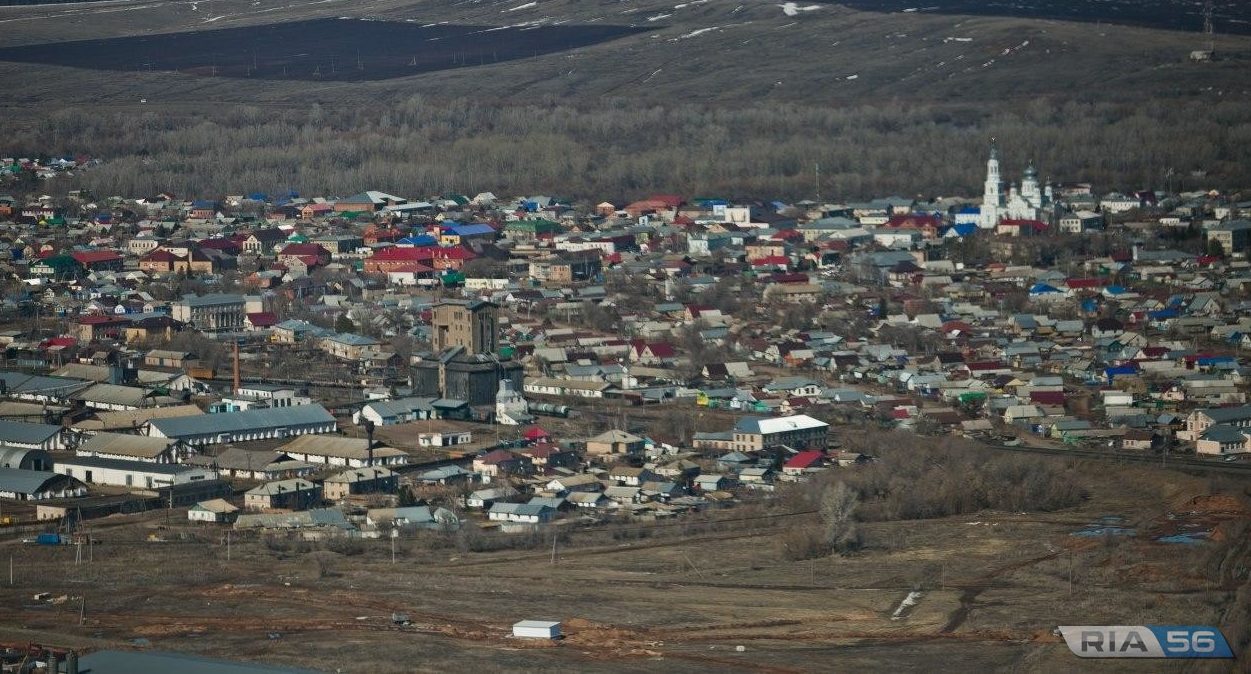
(793, 8)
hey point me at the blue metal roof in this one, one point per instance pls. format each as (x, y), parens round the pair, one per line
(227, 422)
(470, 229)
(19, 481)
(15, 432)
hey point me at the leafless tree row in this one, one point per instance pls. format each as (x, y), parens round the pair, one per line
(618, 149)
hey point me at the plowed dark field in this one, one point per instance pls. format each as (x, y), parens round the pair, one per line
(319, 49)
(1228, 16)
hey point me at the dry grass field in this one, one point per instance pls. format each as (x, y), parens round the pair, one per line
(678, 598)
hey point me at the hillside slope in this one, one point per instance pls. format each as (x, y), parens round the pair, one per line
(731, 51)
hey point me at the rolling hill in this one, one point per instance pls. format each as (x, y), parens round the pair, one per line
(704, 50)
(587, 97)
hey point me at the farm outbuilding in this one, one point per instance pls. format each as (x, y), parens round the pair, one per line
(136, 474)
(37, 485)
(215, 510)
(537, 629)
(24, 458)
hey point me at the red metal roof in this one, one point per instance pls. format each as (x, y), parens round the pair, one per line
(263, 319)
(1047, 397)
(161, 255)
(535, 432)
(806, 459)
(915, 221)
(86, 257)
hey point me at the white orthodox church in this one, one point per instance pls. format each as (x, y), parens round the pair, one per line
(511, 408)
(1025, 203)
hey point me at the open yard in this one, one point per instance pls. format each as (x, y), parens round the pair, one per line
(677, 596)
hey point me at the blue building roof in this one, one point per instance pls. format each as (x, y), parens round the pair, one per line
(18, 433)
(228, 422)
(28, 482)
(473, 229)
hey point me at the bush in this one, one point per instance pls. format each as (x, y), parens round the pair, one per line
(348, 547)
(800, 543)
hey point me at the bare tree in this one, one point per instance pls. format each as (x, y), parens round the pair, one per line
(838, 511)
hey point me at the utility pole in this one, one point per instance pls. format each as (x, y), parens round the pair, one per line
(1207, 25)
(818, 178)
(1070, 573)
(554, 548)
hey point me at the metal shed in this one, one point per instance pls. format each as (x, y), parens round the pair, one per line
(24, 458)
(537, 629)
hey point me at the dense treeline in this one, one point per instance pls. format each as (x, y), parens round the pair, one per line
(928, 482)
(617, 149)
(923, 478)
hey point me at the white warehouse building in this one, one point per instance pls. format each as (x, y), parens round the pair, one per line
(136, 474)
(258, 424)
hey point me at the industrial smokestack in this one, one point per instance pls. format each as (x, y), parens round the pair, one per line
(54, 665)
(71, 662)
(369, 442)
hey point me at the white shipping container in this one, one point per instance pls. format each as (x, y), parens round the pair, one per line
(537, 629)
